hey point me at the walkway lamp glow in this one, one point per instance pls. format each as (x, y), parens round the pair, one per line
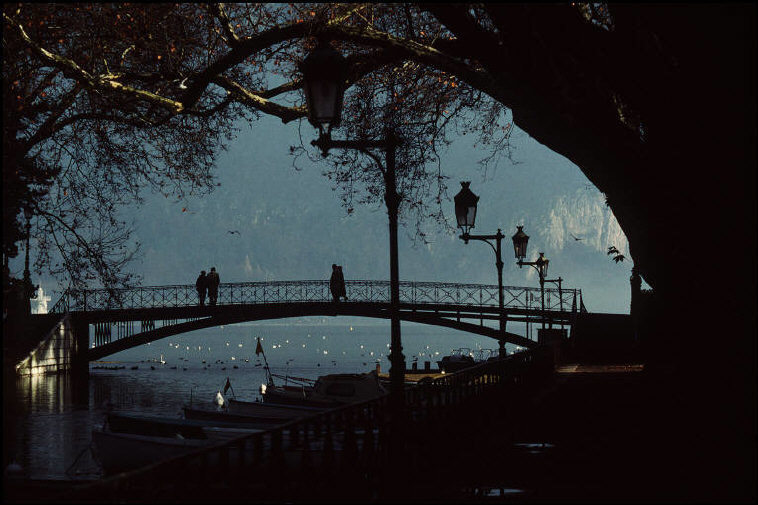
(465, 214)
(465, 209)
(324, 76)
(324, 71)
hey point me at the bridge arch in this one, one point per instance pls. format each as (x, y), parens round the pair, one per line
(433, 303)
(233, 315)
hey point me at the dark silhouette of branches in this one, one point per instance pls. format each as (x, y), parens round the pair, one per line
(617, 256)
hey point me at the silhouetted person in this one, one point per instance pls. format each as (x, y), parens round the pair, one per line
(201, 284)
(341, 282)
(213, 282)
(334, 284)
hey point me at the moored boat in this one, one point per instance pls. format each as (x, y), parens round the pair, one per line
(457, 360)
(330, 391)
(131, 441)
(222, 417)
(120, 452)
(270, 410)
(173, 427)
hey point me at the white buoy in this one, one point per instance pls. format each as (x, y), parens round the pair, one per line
(219, 399)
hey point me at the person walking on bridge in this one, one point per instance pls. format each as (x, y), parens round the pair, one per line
(334, 284)
(201, 284)
(341, 283)
(213, 282)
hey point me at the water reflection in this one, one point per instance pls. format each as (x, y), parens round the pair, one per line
(48, 418)
(46, 424)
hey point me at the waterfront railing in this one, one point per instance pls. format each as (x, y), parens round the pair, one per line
(326, 454)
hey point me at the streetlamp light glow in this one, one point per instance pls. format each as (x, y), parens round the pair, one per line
(520, 240)
(324, 71)
(465, 208)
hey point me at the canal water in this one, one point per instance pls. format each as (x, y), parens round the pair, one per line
(47, 421)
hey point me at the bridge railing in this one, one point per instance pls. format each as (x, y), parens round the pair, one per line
(239, 293)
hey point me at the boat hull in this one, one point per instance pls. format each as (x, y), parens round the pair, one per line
(269, 410)
(171, 427)
(121, 452)
(211, 417)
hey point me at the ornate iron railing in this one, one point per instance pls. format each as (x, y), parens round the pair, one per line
(244, 293)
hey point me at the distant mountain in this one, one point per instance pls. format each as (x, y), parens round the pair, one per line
(583, 217)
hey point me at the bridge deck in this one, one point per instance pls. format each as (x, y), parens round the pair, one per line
(127, 318)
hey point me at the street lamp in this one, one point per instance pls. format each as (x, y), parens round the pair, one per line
(324, 75)
(520, 240)
(465, 214)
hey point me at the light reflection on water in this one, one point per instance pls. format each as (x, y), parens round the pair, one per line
(48, 421)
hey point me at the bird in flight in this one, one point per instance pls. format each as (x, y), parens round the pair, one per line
(574, 237)
(232, 232)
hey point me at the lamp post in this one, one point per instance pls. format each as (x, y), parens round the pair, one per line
(520, 240)
(465, 214)
(324, 74)
(29, 290)
(559, 282)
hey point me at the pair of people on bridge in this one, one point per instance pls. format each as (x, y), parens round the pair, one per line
(337, 283)
(208, 283)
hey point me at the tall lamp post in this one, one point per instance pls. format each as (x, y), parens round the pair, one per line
(465, 214)
(520, 240)
(324, 75)
(29, 290)
(559, 282)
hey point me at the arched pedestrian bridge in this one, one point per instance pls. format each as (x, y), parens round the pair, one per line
(127, 318)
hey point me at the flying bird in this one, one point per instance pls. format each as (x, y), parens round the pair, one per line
(232, 232)
(575, 238)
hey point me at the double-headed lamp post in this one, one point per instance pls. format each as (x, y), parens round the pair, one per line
(520, 240)
(465, 214)
(324, 76)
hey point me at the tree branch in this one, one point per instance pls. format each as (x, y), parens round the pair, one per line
(218, 11)
(105, 82)
(286, 114)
